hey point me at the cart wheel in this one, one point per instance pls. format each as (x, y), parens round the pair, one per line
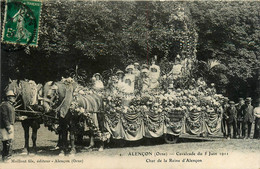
(170, 139)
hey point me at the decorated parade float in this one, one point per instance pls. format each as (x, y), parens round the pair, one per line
(146, 101)
(167, 110)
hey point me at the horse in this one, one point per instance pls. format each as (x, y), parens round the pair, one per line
(59, 97)
(27, 93)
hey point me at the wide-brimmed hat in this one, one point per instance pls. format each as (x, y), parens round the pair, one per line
(119, 71)
(178, 90)
(248, 99)
(97, 74)
(130, 67)
(240, 99)
(145, 66)
(232, 102)
(156, 104)
(10, 93)
(145, 71)
(226, 98)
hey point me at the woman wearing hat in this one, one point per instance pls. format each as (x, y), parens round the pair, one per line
(129, 69)
(154, 75)
(176, 71)
(7, 117)
(145, 80)
(136, 70)
(120, 82)
(97, 83)
(128, 86)
(129, 74)
(145, 66)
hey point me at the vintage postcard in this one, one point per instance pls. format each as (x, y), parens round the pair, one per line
(130, 84)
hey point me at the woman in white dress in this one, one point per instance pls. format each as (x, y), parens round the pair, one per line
(120, 82)
(97, 82)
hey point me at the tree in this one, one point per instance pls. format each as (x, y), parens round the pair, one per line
(229, 32)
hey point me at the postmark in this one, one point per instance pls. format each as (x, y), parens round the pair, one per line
(21, 24)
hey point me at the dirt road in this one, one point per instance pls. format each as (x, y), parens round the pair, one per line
(147, 153)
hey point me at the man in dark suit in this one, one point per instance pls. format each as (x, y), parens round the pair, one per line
(239, 117)
(224, 119)
(231, 115)
(7, 119)
(248, 118)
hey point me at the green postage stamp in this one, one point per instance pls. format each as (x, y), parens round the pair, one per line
(21, 22)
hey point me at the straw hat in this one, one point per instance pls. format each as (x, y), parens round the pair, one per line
(97, 74)
(145, 71)
(119, 71)
(248, 99)
(129, 67)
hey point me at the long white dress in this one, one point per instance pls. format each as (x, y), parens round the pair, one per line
(98, 85)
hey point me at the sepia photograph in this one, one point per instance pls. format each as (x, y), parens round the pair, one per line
(130, 84)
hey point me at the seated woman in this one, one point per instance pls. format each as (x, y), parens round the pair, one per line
(120, 82)
(129, 73)
(145, 80)
(97, 83)
(128, 86)
(154, 75)
(176, 71)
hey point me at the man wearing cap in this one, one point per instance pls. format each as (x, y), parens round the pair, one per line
(248, 118)
(7, 118)
(231, 114)
(239, 117)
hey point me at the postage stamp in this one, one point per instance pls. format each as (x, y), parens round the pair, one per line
(21, 22)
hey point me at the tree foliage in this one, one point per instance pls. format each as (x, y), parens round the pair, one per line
(230, 33)
(98, 36)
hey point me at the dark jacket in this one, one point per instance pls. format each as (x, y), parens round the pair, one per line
(239, 112)
(247, 113)
(231, 113)
(7, 115)
(225, 109)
